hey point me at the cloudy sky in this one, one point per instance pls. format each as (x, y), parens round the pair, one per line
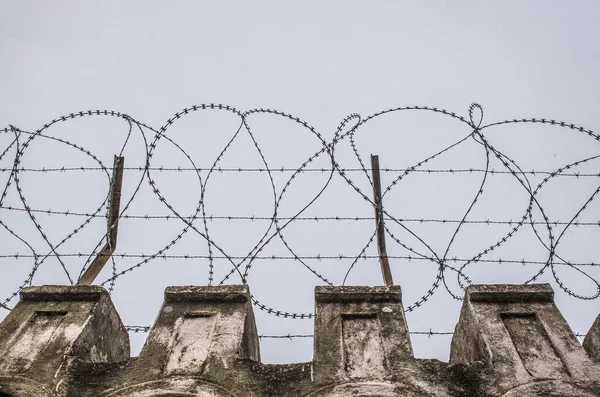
(320, 61)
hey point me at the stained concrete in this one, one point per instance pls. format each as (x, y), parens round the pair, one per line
(50, 328)
(521, 334)
(509, 341)
(591, 343)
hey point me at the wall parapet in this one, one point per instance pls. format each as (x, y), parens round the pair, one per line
(510, 340)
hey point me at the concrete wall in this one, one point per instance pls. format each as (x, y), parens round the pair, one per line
(509, 341)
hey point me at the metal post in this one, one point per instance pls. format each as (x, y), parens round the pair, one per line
(112, 225)
(379, 225)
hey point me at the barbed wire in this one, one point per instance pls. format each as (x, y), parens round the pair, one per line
(290, 336)
(147, 328)
(209, 217)
(317, 170)
(317, 257)
(548, 231)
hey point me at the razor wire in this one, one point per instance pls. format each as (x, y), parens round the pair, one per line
(548, 231)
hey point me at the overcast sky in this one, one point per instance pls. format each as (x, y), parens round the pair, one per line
(319, 61)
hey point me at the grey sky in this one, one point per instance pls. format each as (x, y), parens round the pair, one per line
(319, 61)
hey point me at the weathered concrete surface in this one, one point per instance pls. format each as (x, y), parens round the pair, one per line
(510, 341)
(362, 346)
(51, 327)
(591, 343)
(359, 332)
(521, 334)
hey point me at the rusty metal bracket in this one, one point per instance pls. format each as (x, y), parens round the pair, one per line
(379, 225)
(112, 225)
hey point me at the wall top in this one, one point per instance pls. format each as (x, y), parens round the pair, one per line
(220, 293)
(507, 293)
(63, 293)
(511, 340)
(326, 294)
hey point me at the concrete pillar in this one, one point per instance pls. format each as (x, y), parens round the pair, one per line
(202, 327)
(519, 331)
(360, 332)
(49, 328)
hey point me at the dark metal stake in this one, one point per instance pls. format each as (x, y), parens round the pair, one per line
(112, 226)
(378, 205)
